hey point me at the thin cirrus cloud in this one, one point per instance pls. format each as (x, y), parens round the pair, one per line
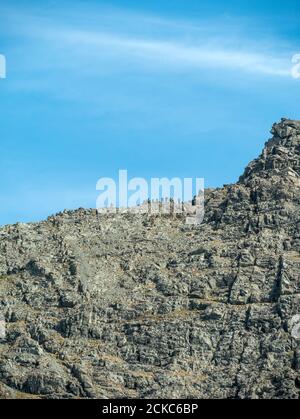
(161, 53)
(198, 46)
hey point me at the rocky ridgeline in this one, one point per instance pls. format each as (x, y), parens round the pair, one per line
(128, 305)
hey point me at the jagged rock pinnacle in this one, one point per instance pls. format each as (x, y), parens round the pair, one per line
(281, 154)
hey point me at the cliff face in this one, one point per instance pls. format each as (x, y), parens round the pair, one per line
(147, 306)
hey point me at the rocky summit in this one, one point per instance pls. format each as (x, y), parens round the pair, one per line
(147, 306)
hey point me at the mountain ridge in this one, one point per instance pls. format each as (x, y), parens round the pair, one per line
(139, 306)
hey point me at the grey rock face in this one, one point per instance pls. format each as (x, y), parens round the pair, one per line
(128, 306)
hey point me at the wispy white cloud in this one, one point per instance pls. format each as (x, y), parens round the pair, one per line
(161, 42)
(165, 53)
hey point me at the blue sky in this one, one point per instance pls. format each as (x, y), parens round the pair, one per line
(160, 88)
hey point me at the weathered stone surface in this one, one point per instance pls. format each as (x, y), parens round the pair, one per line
(145, 306)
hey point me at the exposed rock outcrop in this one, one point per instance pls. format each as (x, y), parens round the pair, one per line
(146, 306)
